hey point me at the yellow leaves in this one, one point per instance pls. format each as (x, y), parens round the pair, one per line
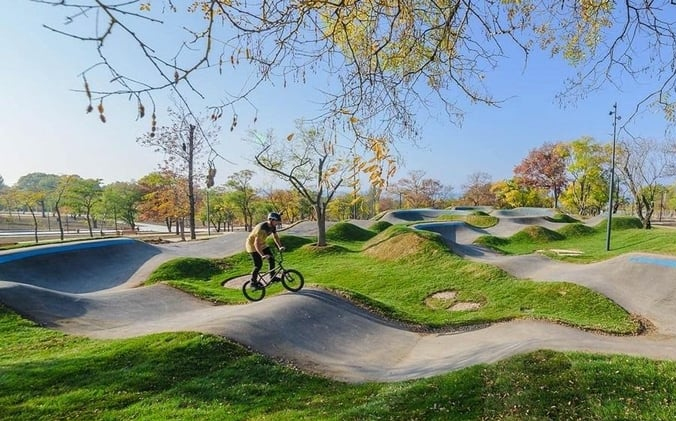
(144, 7)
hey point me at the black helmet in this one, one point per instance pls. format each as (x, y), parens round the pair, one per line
(275, 216)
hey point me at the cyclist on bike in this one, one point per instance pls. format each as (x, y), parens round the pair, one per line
(256, 246)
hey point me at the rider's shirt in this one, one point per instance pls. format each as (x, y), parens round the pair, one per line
(260, 233)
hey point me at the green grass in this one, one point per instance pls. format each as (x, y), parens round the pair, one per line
(47, 375)
(626, 236)
(477, 219)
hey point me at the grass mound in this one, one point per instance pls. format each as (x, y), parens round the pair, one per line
(187, 268)
(481, 219)
(398, 242)
(345, 231)
(625, 223)
(491, 241)
(315, 250)
(536, 234)
(380, 226)
(576, 230)
(291, 242)
(562, 218)
(621, 223)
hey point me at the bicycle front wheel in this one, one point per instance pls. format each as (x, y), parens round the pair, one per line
(292, 280)
(251, 293)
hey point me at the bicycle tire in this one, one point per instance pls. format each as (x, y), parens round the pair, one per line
(251, 293)
(292, 280)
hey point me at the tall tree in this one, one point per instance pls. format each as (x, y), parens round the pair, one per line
(244, 195)
(186, 145)
(514, 194)
(545, 168)
(643, 163)
(419, 191)
(63, 186)
(121, 200)
(312, 165)
(164, 199)
(84, 195)
(586, 164)
(41, 184)
(477, 190)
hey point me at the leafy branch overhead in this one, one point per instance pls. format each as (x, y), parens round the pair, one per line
(378, 64)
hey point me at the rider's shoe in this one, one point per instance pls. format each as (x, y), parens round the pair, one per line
(257, 285)
(276, 279)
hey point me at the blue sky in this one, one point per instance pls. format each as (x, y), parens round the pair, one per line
(44, 127)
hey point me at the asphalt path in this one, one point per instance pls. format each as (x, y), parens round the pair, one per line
(92, 289)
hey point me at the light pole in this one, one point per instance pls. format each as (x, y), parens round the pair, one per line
(611, 188)
(208, 215)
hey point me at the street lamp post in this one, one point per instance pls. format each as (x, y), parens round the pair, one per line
(611, 188)
(208, 215)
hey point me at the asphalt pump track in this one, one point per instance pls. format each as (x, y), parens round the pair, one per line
(93, 289)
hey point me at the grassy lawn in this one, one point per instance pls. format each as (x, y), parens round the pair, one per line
(626, 236)
(46, 375)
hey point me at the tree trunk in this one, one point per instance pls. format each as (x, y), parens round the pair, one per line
(58, 219)
(320, 211)
(35, 224)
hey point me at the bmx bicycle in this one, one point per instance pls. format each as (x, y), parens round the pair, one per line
(291, 279)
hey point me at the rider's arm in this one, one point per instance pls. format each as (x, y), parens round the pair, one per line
(277, 240)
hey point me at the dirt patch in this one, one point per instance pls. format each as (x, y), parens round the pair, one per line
(465, 306)
(445, 295)
(446, 300)
(236, 283)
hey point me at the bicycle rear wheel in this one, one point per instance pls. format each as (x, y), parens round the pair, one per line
(251, 293)
(292, 280)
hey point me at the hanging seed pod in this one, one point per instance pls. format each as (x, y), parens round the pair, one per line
(89, 108)
(100, 107)
(102, 117)
(141, 110)
(87, 91)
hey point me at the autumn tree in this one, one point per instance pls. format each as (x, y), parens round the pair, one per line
(477, 190)
(312, 163)
(164, 199)
(222, 209)
(545, 168)
(419, 191)
(513, 193)
(642, 164)
(288, 202)
(588, 172)
(186, 144)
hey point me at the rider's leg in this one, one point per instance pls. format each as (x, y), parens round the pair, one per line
(258, 264)
(271, 262)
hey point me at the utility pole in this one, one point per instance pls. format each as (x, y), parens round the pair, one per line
(611, 188)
